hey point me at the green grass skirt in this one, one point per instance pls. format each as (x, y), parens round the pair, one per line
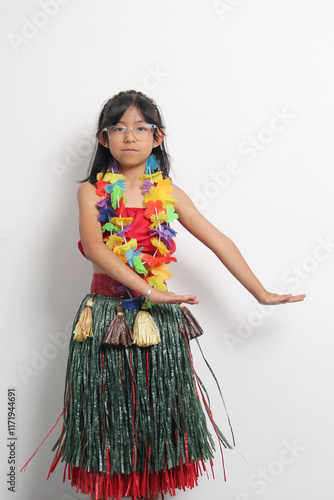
(133, 421)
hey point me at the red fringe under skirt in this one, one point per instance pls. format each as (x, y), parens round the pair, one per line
(135, 485)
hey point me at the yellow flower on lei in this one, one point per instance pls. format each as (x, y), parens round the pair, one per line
(110, 177)
(122, 249)
(162, 217)
(155, 177)
(113, 240)
(157, 282)
(160, 246)
(161, 192)
(121, 221)
(162, 271)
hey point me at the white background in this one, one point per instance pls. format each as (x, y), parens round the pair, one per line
(221, 72)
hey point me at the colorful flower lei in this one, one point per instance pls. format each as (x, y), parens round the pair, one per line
(159, 210)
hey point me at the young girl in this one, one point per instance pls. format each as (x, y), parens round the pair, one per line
(134, 425)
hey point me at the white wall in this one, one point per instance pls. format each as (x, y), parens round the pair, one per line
(221, 72)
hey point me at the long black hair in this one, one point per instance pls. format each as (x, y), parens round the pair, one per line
(111, 113)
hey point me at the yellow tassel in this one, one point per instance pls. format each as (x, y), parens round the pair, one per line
(145, 331)
(83, 328)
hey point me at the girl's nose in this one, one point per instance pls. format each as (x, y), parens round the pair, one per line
(132, 137)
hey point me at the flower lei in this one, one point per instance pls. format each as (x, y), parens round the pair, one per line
(159, 210)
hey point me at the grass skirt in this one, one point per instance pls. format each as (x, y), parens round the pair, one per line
(133, 423)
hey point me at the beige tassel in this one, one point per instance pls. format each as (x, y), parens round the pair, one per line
(145, 331)
(83, 328)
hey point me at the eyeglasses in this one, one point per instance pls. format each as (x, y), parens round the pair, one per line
(119, 132)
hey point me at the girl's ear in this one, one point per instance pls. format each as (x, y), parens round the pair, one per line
(102, 138)
(160, 137)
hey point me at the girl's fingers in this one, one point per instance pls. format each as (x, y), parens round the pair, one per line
(275, 298)
(160, 297)
(189, 299)
(296, 298)
(282, 299)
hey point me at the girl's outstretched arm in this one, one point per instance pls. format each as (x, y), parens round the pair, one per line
(96, 251)
(226, 251)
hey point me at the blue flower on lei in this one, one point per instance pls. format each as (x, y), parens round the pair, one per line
(106, 214)
(131, 254)
(120, 183)
(132, 303)
(151, 164)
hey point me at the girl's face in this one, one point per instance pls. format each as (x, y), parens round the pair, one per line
(129, 151)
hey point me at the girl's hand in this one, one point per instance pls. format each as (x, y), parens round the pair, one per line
(275, 298)
(161, 297)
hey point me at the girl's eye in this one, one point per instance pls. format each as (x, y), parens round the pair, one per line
(118, 129)
(142, 128)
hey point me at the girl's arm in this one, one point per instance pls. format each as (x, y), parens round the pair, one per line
(97, 252)
(226, 251)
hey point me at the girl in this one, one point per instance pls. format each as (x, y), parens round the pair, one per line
(134, 425)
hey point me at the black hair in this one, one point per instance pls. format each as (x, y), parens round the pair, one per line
(111, 113)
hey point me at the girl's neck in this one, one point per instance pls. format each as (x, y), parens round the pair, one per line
(132, 174)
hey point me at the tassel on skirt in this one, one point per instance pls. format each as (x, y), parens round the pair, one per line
(133, 422)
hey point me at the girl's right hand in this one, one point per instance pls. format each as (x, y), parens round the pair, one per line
(161, 297)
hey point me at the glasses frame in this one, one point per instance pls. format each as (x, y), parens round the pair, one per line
(128, 129)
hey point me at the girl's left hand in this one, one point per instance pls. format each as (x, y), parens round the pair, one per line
(274, 298)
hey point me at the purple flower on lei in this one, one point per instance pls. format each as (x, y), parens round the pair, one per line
(121, 289)
(113, 166)
(146, 186)
(124, 230)
(105, 203)
(164, 233)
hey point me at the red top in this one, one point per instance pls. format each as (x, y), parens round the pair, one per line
(139, 230)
